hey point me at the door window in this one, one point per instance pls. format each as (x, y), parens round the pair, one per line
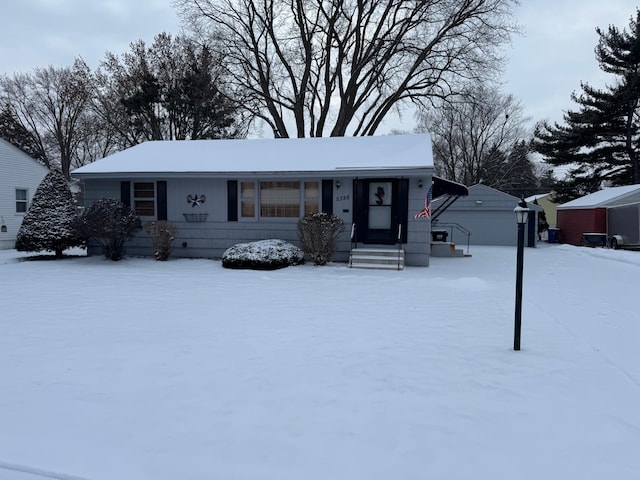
(380, 195)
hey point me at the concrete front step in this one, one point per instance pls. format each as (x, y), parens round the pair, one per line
(446, 249)
(382, 258)
(377, 266)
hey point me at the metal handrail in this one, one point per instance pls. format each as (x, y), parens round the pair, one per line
(353, 242)
(456, 226)
(399, 242)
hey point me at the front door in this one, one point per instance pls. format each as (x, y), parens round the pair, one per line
(380, 210)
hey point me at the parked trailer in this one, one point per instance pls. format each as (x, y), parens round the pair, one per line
(623, 226)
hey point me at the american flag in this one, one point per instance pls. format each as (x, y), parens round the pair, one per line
(426, 211)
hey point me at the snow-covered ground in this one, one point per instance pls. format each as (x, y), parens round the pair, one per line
(185, 370)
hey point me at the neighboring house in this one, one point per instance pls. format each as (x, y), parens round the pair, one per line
(588, 214)
(488, 215)
(545, 201)
(20, 176)
(222, 192)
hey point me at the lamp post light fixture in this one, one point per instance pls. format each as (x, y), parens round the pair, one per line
(522, 215)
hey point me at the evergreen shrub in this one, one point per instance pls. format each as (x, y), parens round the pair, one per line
(262, 255)
(50, 222)
(109, 223)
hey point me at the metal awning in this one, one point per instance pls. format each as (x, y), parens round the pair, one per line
(447, 187)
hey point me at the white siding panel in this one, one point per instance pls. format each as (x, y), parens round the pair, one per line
(17, 170)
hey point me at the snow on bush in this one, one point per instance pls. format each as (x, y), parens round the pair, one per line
(262, 255)
(109, 223)
(49, 224)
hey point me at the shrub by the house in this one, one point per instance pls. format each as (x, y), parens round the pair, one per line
(162, 234)
(318, 234)
(109, 223)
(262, 255)
(49, 224)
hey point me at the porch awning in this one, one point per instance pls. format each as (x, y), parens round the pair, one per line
(447, 187)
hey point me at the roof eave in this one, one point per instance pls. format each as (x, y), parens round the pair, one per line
(337, 172)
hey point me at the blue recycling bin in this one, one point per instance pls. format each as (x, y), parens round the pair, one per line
(553, 235)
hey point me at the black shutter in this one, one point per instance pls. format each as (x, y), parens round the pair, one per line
(360, 209)
(125, 193)
(232, 200)
(161, 192)
(327, 196)
(401, 208)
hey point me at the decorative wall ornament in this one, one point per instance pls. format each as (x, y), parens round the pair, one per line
(196, 200)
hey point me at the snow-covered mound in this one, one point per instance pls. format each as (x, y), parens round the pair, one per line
(262, 255)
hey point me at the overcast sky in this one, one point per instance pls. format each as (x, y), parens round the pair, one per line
(546, 64)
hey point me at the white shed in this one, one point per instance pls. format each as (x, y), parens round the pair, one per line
(20, 175)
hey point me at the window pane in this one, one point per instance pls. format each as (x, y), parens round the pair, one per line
(248, 190)
(247, 199)
(248, 209)
(280, 199)
(21, 200)
(144, 199)
(311, 207)
(145, 208)
(144, 190)
(311, 190)
(311, 197)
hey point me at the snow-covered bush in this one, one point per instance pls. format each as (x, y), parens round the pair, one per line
(162, 234)
(262, 255)
(110, 223)
(49, 224)
(318, 234)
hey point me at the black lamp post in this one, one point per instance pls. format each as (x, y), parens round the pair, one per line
(522, 215)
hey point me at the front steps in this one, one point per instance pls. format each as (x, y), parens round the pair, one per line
(447, 249)
(377, 258)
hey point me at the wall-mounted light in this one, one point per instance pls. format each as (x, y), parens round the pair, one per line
(337, 183)
(3, 227)
(419, 183)
(478, 202)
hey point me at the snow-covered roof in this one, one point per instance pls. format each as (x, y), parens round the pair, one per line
(391, 152)
(533, 198)
(601, 198)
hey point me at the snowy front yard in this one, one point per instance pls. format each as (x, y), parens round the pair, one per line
(185, 370)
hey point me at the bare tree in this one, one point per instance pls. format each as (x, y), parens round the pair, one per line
(341, 66)
(50, 104)
(473, 134)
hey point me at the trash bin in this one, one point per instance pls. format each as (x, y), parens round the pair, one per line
(439, 235)
(553, 235)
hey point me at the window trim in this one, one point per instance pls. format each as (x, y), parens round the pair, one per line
(135, 199)
(241, 200)
(25, 201)
(303, 199)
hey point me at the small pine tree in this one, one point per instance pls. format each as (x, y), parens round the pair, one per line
(49, 224)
